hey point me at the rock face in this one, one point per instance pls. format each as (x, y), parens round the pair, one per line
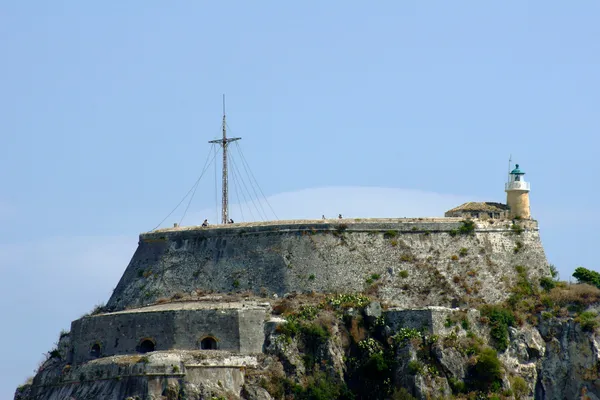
(554, 360)
(408, 262)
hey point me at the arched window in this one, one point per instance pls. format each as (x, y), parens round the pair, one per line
(146, 346)
(95, 350)
(208, 343)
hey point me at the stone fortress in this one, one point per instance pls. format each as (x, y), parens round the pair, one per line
(196, 301)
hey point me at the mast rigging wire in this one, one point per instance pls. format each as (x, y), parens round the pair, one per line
(189, 191)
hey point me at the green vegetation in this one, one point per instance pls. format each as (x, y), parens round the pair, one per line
(390, 234)
(54, 353)
(500, 319)
(516, 228)
(320, 387)
(236, 284)
(405, 334)
(588, 320)
(547, 283)
(406, 257)
(403, 274)
(553, 271)
(311, 277)
(518, 247)
(486, 374)
(519, 387)
(584, 275)
(467, 227)
(463, 252)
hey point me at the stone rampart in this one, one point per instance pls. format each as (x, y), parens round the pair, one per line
(232, 329)
(407, 262)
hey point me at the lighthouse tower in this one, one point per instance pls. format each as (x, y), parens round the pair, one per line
(517, 194)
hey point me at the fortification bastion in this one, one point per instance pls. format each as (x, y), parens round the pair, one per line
(406, 262)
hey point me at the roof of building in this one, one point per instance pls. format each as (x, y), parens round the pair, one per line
(517, 171)
(487, 206)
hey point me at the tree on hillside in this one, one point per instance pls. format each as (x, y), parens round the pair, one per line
(584, 275)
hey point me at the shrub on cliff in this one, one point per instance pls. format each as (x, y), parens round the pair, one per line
(321, 387)
(588, 320)
(584, 275)
(486, 373)
(499, 319)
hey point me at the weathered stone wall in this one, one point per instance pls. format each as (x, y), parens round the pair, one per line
(159, 375)
(239, 330)
(407, 262)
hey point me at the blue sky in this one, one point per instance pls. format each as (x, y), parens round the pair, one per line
(370, 109)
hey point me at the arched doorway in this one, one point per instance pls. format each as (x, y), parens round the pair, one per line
(208, 343)
(146, 346)
(95, 350)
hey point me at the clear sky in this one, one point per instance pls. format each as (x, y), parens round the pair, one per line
(387, 108)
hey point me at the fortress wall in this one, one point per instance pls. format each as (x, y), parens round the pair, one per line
(121, 333)
(407, 262)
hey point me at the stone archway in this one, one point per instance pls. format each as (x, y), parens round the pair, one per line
(146, 346)
(95, 350)
(208, 343)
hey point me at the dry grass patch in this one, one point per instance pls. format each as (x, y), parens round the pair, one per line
(581, 294)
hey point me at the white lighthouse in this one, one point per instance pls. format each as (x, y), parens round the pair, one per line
(517, 194)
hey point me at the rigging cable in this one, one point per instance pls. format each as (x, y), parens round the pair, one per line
(254, 190)
(245, 187)
(265, 197)
(237, 196)
(189, 191)
(196, 186)
(236, 179)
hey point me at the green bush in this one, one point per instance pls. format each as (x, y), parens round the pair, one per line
(588, 320)
(553, 271)
(584, 275)
(463, 252)
(486, 374)
(547, 283)
(519, 387)
(500, 319)
(457, 385)
(390, 234)
(403, 274)
(415, 367)
(319, 386)
(467, 227)
(517, 229)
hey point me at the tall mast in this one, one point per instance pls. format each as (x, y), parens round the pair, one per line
(224, 142)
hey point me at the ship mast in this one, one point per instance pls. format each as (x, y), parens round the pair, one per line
(224, 142)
